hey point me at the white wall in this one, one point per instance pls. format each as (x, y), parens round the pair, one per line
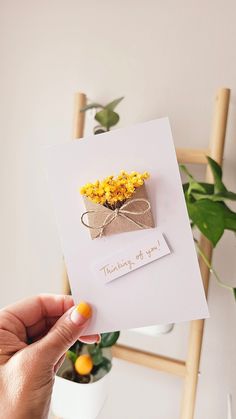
(167, 58)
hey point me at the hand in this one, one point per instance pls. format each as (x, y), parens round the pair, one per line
(34, 335)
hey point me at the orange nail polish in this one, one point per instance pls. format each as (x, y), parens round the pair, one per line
(84, 309)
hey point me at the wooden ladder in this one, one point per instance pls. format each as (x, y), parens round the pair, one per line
(188, 369)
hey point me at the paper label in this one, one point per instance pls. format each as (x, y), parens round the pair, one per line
(133, 257)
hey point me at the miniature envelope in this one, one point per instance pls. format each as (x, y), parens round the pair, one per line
(134, 214)
(138, 276)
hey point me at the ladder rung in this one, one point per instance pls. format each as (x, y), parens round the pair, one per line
(147, 359)
(185, 155)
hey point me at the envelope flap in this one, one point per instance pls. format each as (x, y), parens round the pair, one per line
(92, 206)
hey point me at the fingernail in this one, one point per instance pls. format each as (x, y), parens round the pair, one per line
(90, 339)
(81, 313)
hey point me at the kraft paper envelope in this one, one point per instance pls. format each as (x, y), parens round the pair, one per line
(97, 215)
(134, 278)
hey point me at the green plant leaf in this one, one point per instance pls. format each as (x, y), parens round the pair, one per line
(234, 290)
(91, 106)
(192, 184)
(195, 186)
(229, 218)
(185, 170)
(106, 364)
(109, 339)
(221, 196)
(99, 130)
(77, 347)
(71, 355)
(96, 353)
(206, 207)
(112, 105)
(208, 216)
(217, 173)
(207, 187)
(107, 118)
(229, 195)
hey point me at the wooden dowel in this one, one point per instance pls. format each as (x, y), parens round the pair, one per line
(197, 326)
(217, 140)
(197, 156)
(195, 343)
(65, 281)
(79, 117)
(78, 132)
(146, 359)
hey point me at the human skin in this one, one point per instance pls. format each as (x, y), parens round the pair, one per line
(35, 333)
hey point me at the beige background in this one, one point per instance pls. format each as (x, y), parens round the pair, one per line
(167, 58)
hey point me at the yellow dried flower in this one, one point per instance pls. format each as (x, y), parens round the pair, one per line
(111, 191)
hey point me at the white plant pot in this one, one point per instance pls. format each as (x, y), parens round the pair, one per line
(156, 330)
(72, 400)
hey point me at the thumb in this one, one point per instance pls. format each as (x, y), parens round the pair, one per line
(64, 333)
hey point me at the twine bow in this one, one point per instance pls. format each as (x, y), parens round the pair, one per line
(118, 212)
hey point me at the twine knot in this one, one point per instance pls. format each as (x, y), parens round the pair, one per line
(123, 211)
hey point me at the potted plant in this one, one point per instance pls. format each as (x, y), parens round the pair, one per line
(105, 116)
(82, 382)
(208, 210)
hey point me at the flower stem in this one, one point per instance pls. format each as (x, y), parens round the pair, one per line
(211, 269)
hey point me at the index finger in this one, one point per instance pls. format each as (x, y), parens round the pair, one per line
(30, 310)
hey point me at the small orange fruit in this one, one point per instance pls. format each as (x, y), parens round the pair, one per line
(84, 364)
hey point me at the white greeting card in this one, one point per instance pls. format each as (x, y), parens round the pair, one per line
(135, 278)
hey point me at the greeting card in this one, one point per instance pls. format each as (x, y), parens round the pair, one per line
(124, 227)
